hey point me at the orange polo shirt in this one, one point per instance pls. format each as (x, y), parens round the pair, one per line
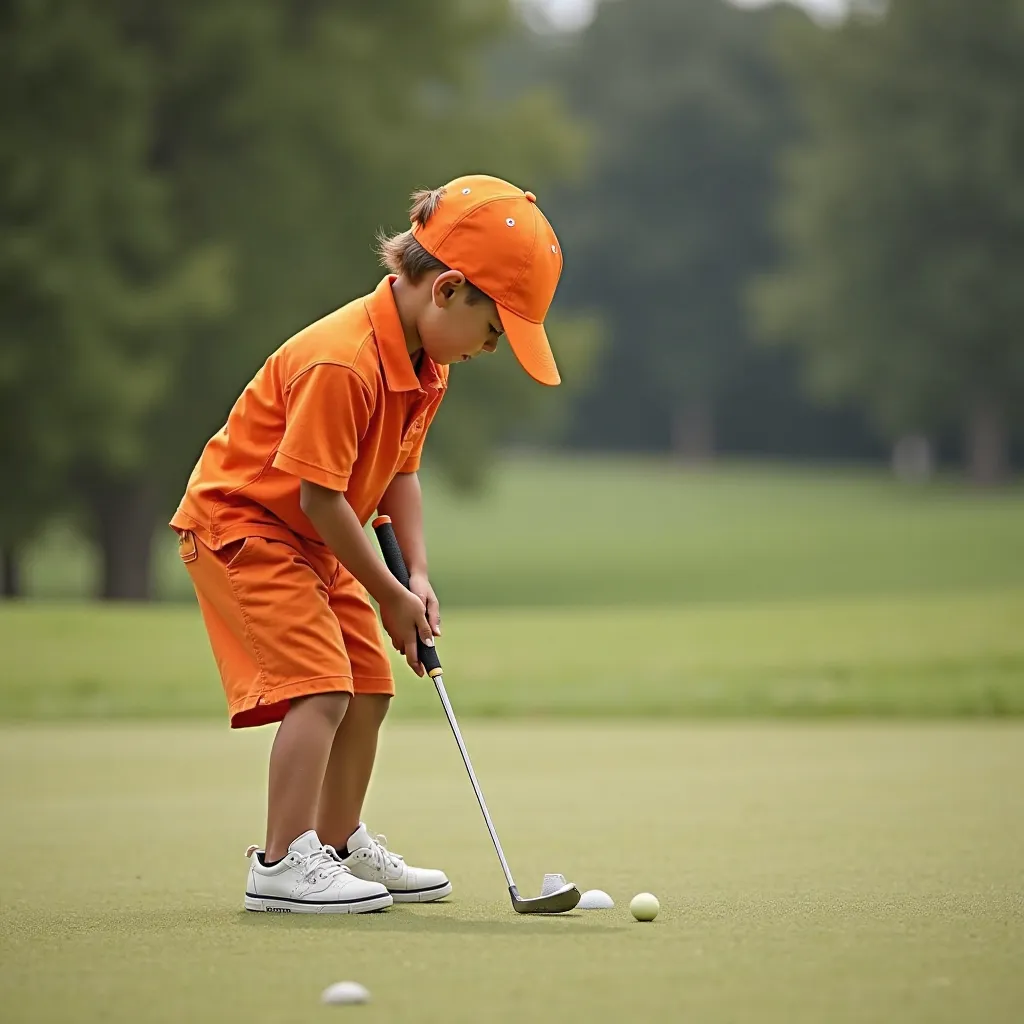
(339, 404)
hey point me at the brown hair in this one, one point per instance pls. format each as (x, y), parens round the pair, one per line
(402, 254)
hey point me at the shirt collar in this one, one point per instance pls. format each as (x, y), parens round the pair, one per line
(399, 373)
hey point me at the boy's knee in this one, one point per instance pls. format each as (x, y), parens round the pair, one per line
(330, 706)
(376, 704)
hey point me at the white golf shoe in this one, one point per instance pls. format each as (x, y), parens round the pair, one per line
(370, 859)
(310, 880)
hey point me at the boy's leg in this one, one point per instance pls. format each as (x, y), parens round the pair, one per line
(348, 771)
(350, 767)
(298, 763)
(352, 756)
(281, 658)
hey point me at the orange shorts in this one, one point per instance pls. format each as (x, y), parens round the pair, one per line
(284, 622)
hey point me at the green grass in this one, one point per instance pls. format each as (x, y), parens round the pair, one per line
(561, 531)
(604, 587)
(924, 655)
(807, 873)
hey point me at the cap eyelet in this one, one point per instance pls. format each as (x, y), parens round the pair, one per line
(554, 248)
(465, 191)
(510, 222)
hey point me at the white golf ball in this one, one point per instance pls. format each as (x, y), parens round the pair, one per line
(644, 906)
(344, 992)
(595, 899)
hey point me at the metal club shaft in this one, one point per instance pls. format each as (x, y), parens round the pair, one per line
(450, 715)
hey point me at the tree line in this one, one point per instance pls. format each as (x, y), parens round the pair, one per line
(805, 239)
(182, 187)
(780, 237)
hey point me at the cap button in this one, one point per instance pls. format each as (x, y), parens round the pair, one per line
(530, 196)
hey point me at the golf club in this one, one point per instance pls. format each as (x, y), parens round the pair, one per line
(563, 898)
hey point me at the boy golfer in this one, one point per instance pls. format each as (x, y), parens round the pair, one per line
(271, 527)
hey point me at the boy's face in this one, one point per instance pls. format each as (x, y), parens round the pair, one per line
(451, 328)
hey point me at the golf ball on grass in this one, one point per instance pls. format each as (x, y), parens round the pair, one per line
(644, 906)
(342, 993)
(595, 899)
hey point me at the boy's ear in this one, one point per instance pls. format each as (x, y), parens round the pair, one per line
(446, 285)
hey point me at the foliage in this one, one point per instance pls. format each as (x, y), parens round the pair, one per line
(183, 186)
(686, 111)
(92, 278)
(904, 215)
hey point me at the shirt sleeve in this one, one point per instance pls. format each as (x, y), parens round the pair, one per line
(327, 412)
(412, 463)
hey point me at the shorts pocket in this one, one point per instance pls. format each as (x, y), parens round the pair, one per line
(232, 553)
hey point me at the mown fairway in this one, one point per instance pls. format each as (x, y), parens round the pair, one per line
(613, 532)
(807, 873)
(910, 655)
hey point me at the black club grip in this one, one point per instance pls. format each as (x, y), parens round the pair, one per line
(394, 560)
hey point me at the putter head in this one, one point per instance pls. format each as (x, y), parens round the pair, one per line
(560, 901)
(551, 883)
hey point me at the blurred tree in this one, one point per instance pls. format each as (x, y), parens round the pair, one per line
(90, 275)
(687, 112)
(222, 166)
(904, 220)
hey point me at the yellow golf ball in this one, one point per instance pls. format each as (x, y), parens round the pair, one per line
(644, 906)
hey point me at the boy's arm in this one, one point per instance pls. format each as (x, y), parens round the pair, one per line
(401, 610)
(403, 504)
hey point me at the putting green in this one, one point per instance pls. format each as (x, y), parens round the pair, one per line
(810, 872)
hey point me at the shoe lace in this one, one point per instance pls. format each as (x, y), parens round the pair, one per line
(323, 864)
(381, 856)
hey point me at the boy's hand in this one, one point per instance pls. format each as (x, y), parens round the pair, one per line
(420, 586)
(404, 617)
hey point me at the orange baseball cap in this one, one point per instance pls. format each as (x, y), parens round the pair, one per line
(495, 234)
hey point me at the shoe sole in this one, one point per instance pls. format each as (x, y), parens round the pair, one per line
(283, 905)
(437, 892)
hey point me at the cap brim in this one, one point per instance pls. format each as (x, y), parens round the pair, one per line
(530, 344)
